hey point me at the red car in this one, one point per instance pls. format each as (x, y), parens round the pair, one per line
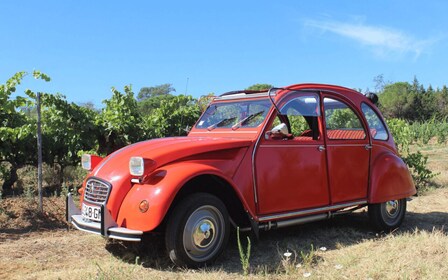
(255, 159)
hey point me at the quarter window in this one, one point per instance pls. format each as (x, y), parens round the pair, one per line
(341, 121)
(376, 126)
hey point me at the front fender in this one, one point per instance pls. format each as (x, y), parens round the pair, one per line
(390, 179)
(159, 190)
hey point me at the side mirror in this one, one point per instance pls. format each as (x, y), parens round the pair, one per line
(278, 132)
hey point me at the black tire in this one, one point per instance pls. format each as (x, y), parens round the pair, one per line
(389, 215)
(197, 231)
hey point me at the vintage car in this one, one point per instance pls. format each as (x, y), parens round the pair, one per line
(256, 160)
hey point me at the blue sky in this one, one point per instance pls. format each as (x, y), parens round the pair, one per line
(217, 46)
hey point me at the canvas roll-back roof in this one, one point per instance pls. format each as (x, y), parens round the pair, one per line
(296, 87)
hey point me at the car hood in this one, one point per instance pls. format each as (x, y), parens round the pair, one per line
(162, 151)
(114, 169)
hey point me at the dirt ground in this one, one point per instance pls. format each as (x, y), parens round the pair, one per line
(42, 246)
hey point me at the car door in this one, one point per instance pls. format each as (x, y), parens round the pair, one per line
(291, 171)
(348, 150)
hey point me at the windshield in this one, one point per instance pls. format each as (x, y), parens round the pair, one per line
(250, 113)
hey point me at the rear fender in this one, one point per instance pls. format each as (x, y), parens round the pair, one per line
(390, 179)
(159, 190)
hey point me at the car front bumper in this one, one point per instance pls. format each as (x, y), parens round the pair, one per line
(107, 227)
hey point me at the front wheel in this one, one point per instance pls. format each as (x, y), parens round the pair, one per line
(388, 215)
(197, 230)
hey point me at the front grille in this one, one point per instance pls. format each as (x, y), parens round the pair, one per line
(96, 191)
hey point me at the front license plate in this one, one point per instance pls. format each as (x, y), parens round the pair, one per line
(91, 212)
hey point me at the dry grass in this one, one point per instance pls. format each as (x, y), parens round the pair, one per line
(437, 161)
(418, 250)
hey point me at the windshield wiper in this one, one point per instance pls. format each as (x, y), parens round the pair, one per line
(221, 123)
(246, 119)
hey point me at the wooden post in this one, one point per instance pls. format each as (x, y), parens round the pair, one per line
(39, 154)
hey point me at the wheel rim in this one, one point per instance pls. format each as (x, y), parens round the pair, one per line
(203, 233)
(392, 209)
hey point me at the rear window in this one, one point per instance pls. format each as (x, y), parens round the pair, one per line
(376, 126)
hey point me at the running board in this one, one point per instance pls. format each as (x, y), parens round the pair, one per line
(311, 211)
(306, 216)
(294, 222)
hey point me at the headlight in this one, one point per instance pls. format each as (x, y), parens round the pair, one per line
(138, 166)
(89, 162)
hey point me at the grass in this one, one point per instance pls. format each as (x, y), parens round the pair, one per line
(418, 250)
(345, 247)
(437, 161)
(417, 254)
(244, 254)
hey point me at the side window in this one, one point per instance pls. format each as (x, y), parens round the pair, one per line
(302, 115)
(376, 126)
(341, 121)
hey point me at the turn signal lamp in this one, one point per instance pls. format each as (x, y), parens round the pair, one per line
(144, 206)
(89, 162)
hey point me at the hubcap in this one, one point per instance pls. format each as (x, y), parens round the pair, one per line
(203, 233)
(392, 208)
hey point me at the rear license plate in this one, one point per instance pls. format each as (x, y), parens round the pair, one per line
(91, 212)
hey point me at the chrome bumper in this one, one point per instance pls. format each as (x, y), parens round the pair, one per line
(107, 227)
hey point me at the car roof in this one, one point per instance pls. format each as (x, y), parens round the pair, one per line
(280, 92)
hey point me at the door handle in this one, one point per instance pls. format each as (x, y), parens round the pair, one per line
(368, 147)
(321, 148)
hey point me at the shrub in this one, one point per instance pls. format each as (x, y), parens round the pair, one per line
(417, 162)
(423, 132)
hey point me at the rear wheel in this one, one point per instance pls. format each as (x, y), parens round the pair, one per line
(197, 230)
(388, 215)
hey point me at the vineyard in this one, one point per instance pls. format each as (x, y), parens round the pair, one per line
(41, 246)
(415, 115)
(38, 245)
(70, 130)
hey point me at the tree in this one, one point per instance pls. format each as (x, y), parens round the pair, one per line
(89, 105)
(148, 92)
(380, 83)
(441, 102)
(397, 100)
(259, 87)
(149, 98)
(424, 104)
(148, 105)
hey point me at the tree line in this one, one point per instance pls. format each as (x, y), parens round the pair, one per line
(412, 102)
